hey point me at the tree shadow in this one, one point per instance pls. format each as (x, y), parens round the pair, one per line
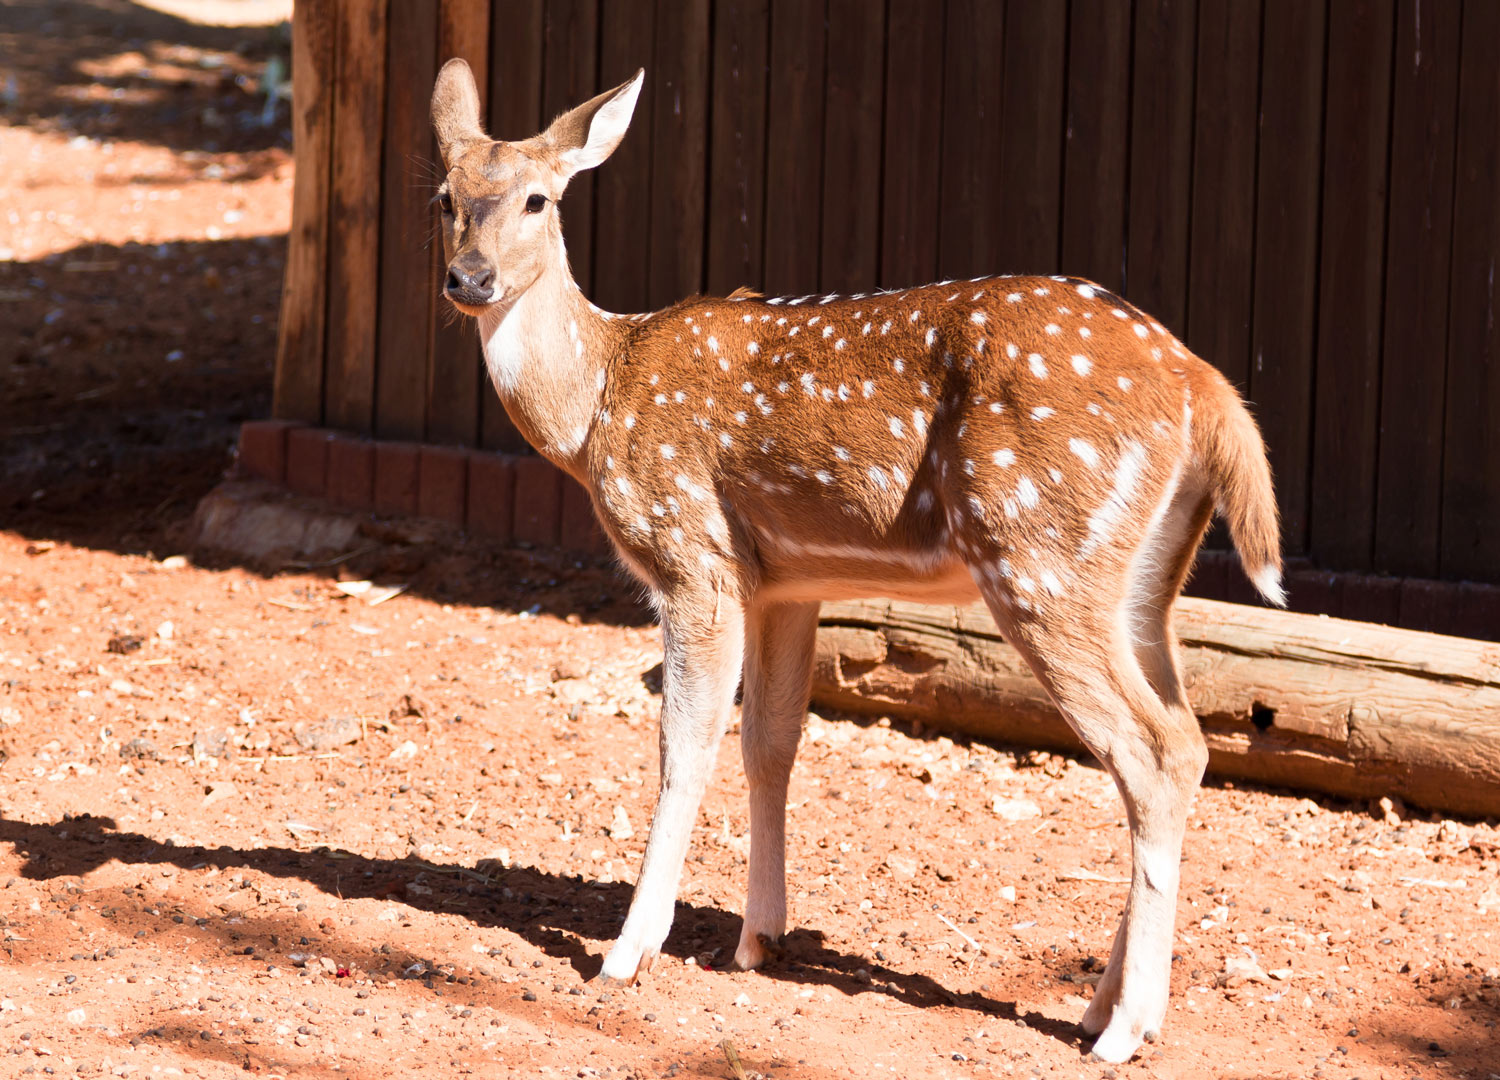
(128, 370)
(558, 914)
(111, 69)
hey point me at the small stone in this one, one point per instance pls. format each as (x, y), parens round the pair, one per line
(528, 995)
(903, 866)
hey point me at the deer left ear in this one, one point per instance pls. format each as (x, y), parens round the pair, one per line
(587, 135)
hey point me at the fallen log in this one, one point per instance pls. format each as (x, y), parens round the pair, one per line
(1300, 701)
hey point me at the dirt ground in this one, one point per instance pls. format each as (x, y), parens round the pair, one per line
(255, 822)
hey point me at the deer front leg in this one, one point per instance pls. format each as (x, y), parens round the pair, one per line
(778, 681)
(703, 640)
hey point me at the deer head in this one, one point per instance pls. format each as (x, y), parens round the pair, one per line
(501, 230)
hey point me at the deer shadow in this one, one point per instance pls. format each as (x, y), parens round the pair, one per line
(556, 913)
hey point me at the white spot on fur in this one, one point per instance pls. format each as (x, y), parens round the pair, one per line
(1038, 365)
(1004, 458)
(1041, 412)
(1082, 364)
(1085, 450)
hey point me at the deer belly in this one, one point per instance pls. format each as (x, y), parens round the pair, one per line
(800, 572)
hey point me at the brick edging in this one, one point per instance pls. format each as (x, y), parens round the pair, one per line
(506, 498)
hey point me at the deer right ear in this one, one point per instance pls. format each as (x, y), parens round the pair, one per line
(455, 111)
(587, 135)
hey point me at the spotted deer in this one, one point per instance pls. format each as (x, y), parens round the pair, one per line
(1034, 441)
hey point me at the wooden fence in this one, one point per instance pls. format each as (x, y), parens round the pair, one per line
(1307, 191)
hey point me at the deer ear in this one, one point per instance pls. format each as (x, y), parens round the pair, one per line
(455, 110)
(587, 135)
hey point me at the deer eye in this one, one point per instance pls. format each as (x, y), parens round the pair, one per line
(445, 203)
(535, 204)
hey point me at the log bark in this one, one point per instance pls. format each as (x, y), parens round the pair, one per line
(1300, 701)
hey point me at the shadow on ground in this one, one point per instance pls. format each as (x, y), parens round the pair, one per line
(112, 69)
(559, 914)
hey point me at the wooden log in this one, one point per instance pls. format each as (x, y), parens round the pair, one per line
(1301, 701)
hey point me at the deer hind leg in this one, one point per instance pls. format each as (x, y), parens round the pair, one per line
(1156, 755)
(778, 681)
(703, 639)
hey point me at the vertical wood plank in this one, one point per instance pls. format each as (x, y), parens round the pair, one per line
(515, 69)
(1097, 140)
(1352, 281)
(851, 146)
(1419, 241)
(1471, 461)
(679, 148)
(737, 157)
(354, 216)
(298, 387)
(410, 175)
(570, 77)
(794, 181)
(973, 91)
(913, 131)
(1286, 250)
(1161, 146)
(1221, 248)
(1030, 180)
(515, 113)
(454, 373)
(622, 186)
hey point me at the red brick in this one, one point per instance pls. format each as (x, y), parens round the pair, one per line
(1369, 598)
(538, 501)
(1210, 575)
(263, 449)
(351, 472)
(396, 475)
(1315, 592)
(1425, 605)
(492, 496)
(1477, 614)
(580, 529)
(307, 460)
(443, 483)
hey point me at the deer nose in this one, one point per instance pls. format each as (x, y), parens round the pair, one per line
(470, 286)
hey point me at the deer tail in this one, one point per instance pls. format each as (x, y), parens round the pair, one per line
(1230, 447)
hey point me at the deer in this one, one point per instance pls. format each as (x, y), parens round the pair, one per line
(1035, 442)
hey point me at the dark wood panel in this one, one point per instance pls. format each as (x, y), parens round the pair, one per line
(1221, 245)
(679, 150)
(1424, 110)
(794, 173)
(354, 216)
(1286, 249)
(1096, 142)
(737, 157)
(1029, 191)
(408, 181)
(570, 70)
(1161, 156)
(298, 385)
(455, 374)
(910, 199)
(973, 92)
(515, 113)
(1471, 459)
(622, 186)
(1347, 391)
(851, 146)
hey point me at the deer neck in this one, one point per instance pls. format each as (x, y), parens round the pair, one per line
(546, 356)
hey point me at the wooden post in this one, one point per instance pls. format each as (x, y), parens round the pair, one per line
(1301, 701)
(298, 389)
(354, 254)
